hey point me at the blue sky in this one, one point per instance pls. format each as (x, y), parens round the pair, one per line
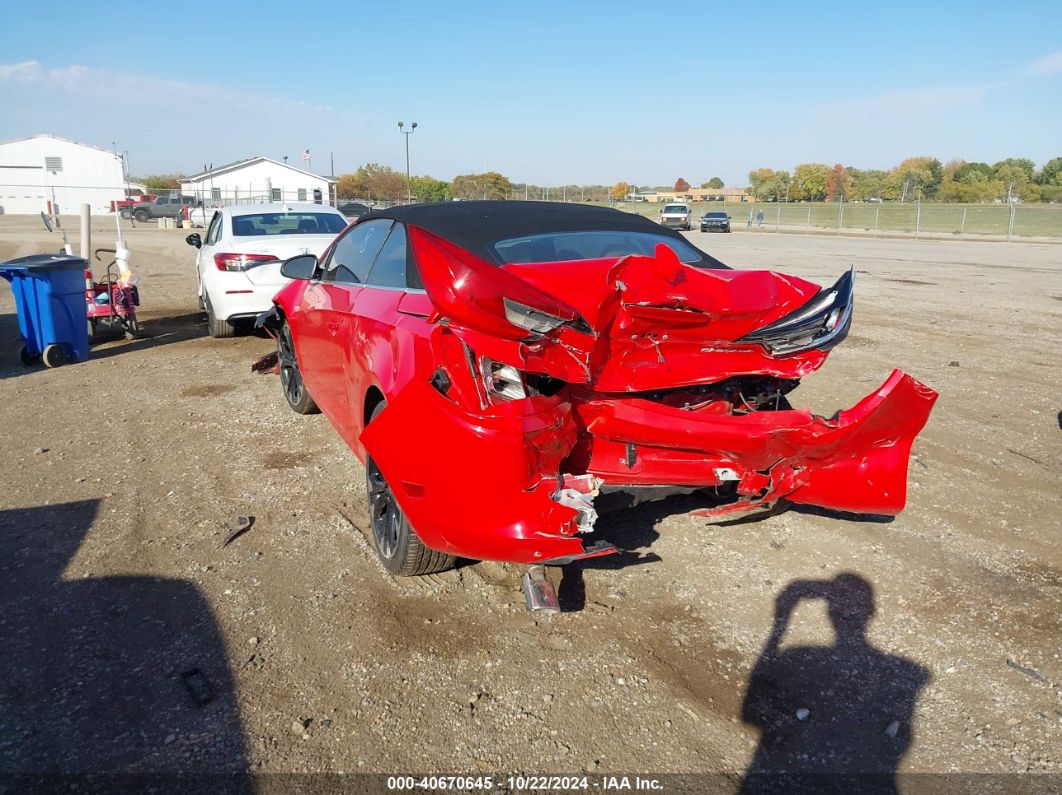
(545, 92)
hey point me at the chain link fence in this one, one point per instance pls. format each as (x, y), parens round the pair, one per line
(930, 220)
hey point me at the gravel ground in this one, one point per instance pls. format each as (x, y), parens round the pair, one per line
(703, 649)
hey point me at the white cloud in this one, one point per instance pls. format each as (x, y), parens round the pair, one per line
(133, 91)
(1048, 65)
(22, 72)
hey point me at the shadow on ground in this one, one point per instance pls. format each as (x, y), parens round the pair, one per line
(107, 678)
(832, 718)
(154, 333)
(631, 527)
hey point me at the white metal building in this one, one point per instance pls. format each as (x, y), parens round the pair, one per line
(258, 179)
(42, 169)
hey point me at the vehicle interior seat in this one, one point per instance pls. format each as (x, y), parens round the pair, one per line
(243, 226)
(308, 226)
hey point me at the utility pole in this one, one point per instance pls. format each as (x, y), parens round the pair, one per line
(409, 179)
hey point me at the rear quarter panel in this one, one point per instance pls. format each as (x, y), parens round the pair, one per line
(389, 348)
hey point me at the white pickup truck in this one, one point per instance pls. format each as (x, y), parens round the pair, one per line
(676, 216)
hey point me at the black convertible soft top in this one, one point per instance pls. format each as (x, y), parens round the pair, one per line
(475, 225)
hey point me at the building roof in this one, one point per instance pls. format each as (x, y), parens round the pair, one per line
(238, 164)
(57, 138)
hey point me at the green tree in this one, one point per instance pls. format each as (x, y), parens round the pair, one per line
(1051, 173)
(809, 181)
(917, 177)
(714, 182)
(1031, 192)
(1026, 166)
(427, 189)
(1051, 193)
(970, 173)
(867, 184)
(760, 181)
(489, 185)
(157, 182)
(1013, 176)
(372, 181)
(777, 188)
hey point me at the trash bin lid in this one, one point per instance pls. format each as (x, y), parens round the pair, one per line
(47, 262)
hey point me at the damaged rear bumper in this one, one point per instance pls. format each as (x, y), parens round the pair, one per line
(487, 485)
(855, 461)
(516, 482)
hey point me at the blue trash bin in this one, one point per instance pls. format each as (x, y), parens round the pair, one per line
(50, 298)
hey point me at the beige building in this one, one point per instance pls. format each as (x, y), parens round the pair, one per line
(701, 195)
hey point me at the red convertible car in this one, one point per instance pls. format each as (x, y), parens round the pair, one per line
(498, 365)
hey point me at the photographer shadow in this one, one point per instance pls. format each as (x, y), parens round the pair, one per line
(108, 682)
(831, 718)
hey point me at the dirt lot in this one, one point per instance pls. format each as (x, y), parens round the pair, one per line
(122, 476)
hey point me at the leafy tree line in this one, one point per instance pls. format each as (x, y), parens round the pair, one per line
(379, 182)
(375, 181)
(159, 182)
(914, 179)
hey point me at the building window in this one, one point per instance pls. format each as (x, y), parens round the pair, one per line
(302, 194)
(276, 195)
(53, 164)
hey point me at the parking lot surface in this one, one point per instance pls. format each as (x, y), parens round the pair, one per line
(123, 475)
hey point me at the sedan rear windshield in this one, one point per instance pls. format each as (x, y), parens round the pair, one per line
(573, 246)
(288, 224)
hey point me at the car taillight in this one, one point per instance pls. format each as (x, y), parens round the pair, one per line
(241, 262)
(502, 381)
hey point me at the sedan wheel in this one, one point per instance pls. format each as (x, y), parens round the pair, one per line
(291, 382)
(384, 513)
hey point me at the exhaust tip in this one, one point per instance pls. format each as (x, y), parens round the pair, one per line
(539, 594)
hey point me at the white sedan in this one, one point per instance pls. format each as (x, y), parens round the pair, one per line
(238, 263)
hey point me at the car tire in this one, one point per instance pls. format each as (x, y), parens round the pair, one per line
(291, 383)
(219, 328)
(142, 215)
(398, 546)
(125, 214)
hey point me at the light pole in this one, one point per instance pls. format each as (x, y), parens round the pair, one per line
(409, 181)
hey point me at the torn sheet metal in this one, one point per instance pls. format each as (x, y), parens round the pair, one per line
(856, 461)
(635, 324)
(483, 491)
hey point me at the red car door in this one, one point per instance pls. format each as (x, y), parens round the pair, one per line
(385, 323)
(323, 332)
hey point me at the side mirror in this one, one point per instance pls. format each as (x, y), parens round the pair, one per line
(303, 266)
(194, 240)
(47, 221)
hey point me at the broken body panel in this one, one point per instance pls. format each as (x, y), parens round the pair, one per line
(513, 392)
